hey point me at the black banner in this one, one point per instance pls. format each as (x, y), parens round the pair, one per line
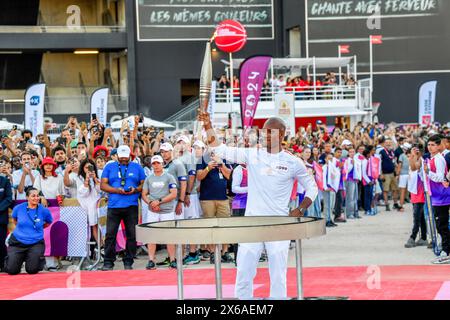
(416, 33)
(187, 20)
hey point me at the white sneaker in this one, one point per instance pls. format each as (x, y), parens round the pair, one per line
(443, 258)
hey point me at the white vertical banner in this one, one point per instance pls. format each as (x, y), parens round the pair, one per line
(427, 100)
(285, 109)
(34, 108)
(99, 104)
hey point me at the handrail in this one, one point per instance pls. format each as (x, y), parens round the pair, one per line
(190, 106)
(300, 93)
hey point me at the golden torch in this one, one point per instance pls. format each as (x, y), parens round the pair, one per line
(206, 79)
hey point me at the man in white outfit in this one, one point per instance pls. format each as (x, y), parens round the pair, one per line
(271, 176)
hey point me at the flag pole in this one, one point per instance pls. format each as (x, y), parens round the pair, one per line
(371, 63)
(231, 82)
(340, 68)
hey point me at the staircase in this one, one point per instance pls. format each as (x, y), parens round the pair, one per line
(185, 118)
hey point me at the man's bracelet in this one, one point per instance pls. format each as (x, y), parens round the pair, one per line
(207, 169)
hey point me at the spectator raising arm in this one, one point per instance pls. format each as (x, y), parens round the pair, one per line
(108, 136)
(47, 145)
(134, 132)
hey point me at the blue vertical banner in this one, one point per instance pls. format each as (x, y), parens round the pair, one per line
(34, 108)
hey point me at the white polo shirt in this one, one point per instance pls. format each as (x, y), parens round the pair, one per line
(270, 178)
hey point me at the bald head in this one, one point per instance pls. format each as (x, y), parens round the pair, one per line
(275, 123)
(273, 133)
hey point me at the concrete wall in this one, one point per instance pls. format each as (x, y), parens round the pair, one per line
(61, 69)
(54, 12)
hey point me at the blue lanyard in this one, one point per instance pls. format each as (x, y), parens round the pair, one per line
(122, 176)
(36, 216)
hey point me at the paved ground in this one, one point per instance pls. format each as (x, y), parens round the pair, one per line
(372, 240)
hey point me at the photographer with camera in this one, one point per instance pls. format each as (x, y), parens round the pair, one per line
(70, 177)
(97, 132)
(123, 182)
(24, 177)
(213, 173)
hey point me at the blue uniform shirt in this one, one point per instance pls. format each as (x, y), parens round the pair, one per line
(214, 185)
(30, 223)
(133, 175)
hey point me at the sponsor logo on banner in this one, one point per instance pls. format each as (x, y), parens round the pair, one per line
(252, 74)
(34, 108)
(284, 108)
(99, 104)
(427, 100)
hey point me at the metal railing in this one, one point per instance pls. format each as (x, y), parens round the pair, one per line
(300, 93)
(187, 113)
(65, 105)
(61, 29)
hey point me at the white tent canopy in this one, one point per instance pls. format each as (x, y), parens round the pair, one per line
(302, 63)
(147, 122)
(5, 125)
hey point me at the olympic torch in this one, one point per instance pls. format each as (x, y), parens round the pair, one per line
(205, 81)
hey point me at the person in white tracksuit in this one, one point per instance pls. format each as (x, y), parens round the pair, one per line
(271, 176)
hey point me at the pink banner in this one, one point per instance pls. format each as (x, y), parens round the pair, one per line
(252, 74)
(318, 175)
(374, 168)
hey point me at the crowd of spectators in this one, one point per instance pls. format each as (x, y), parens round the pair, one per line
(178, 177)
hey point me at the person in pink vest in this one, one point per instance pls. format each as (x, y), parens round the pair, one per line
(368, 182)
(351, 185)
(417, 192)
(440, 195)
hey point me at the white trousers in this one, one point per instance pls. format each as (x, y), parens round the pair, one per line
(194, 211)
(247, 262)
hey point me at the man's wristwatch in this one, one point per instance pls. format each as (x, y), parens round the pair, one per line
(180, 201)
(160, 200)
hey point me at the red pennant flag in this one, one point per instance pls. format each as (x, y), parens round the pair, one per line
(376, 39)
(344, 49)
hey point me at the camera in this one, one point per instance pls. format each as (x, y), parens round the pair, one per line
(62, 141)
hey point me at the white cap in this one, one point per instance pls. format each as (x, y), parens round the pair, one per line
(157, 159)
(166, 147)
(347, 143)
(406, 146)
(123, 151)
(199, 144)
(184, 139)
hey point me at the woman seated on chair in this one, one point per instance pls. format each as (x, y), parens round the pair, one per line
(26, 243)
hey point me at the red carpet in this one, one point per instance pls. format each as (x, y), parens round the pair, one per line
(356, 283)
